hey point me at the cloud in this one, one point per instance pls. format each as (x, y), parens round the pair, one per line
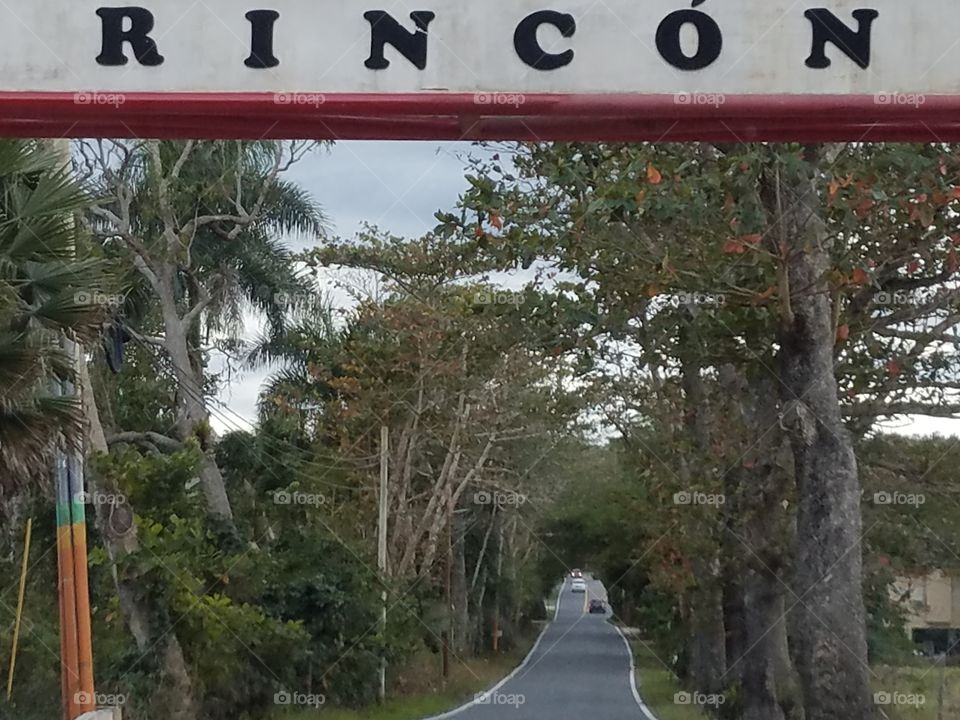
(396, 185)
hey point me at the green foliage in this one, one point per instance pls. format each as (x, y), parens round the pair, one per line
(269, 619)
(888, 640)
(240, 655)
(37, 672)
(339, 601)
(478, 394)
(46, 291)
(659, 686)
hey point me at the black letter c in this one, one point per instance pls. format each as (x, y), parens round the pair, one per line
(529, 48)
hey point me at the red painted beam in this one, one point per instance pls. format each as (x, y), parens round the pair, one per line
(441, 116)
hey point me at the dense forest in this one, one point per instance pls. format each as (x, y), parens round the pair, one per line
(674, 365)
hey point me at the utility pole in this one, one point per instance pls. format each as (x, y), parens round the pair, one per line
(382, 547)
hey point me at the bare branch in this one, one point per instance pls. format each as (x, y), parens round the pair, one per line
(145, 438)
(878, 410)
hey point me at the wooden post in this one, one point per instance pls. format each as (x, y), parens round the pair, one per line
(447, 585)
(943, 682)
(23, 587)
(382, 547)
(496, 606)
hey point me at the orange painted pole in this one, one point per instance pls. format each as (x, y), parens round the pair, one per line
(76, 646)
(64, 684)
(75, 631)
(85, 698)
(69, 645)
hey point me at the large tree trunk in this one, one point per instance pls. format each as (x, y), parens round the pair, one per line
(116, 527)
(193, 418)
(707, 646)
(761, 538)
(831, 637)
(734, 617)
(759, 676)
(461, 612)
(789, 693)
(707, 643)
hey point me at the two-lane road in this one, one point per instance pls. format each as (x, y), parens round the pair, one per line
(579, 670)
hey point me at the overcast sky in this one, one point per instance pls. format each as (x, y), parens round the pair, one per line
(396, 185)
(399, 186)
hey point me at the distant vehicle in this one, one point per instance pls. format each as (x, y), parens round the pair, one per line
(578, 586)
(576, 573)
(597, 606)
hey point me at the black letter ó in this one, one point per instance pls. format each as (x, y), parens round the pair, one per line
(709, 39)
(114, 36)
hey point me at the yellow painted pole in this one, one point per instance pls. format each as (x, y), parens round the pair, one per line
(23, 588)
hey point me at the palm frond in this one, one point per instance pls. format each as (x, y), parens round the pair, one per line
(46, 293)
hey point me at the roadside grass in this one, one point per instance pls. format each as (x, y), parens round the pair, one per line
(467, 678)
(658, 685)
(920, 681)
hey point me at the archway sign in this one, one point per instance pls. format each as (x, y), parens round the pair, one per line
(710, 70)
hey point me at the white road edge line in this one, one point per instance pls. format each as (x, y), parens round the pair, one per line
(516, 670)
(633, 676)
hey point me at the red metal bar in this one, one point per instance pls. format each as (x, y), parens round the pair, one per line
(434, 103)
(452, 116)
(484, 129)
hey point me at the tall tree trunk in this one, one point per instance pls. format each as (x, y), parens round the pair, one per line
(477, 591)
(461, 611)
(759, 531)
(831, 637)
(707, 646)
(707, 643)
(193, 417)
(734, 608)
(789, 693)
(117, 528)
(497, 622)
(759, 676)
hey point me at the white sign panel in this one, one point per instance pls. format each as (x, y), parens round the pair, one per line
(500, 52)
(570, 46)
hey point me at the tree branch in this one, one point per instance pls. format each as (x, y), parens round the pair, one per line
(145, 438)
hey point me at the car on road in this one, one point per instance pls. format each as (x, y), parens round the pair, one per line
(597, 606)
(576, 573)
(578, 586)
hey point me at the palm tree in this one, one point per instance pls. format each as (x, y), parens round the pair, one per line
(304, 357)
(46, 295)
(203, 225)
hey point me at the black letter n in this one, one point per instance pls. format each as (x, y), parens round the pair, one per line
(827, 27)
(387, 31)
(137, 34)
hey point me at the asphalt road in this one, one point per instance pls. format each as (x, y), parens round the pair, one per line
(579, 670)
